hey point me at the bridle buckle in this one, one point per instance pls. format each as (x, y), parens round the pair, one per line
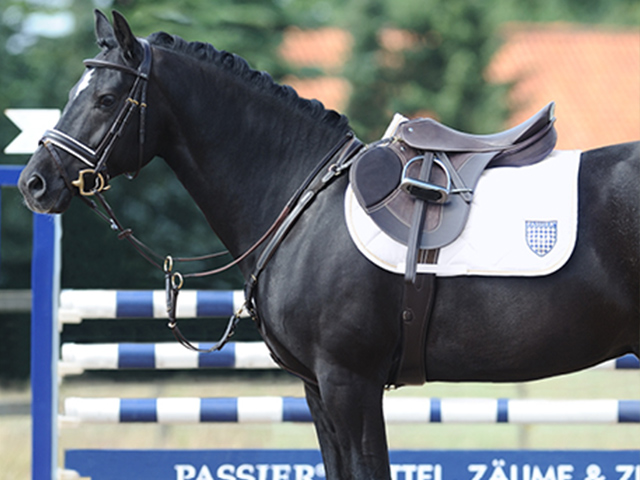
(86, 178)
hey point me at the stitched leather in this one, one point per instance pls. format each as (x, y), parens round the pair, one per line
(376, 173)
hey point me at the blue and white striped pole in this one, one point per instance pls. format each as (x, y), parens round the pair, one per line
(111, 356)
(77, 358)
(626, 362)
(396, 410)
(77, 305)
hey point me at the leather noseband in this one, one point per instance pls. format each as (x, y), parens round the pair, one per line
(95, 178)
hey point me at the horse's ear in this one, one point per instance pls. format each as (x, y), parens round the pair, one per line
(104, 31)
(126, 39)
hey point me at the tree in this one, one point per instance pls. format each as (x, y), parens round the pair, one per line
(372, 90)
(435, 66)
(249, 28)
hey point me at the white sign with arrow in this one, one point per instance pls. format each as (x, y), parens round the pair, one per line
(32, 123)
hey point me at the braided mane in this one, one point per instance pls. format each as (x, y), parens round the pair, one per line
(235, 64)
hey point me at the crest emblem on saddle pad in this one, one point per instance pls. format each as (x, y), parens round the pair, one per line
(541, 236)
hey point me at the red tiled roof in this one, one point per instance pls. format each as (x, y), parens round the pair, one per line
(593, 75)
(326, 48)
(333, 92)
(396, 40)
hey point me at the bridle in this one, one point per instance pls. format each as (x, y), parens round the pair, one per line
(95, 179)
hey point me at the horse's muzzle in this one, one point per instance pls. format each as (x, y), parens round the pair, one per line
(44, 191)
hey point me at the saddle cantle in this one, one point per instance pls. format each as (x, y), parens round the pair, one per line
(389, 176)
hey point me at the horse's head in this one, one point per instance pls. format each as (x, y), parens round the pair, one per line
(101, 132)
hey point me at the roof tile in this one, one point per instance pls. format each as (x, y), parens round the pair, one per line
(593, 74)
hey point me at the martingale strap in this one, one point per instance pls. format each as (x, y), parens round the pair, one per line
(318, 179)
(344, 153)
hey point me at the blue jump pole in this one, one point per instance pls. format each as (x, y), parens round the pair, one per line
(45, 288)
(9, 175)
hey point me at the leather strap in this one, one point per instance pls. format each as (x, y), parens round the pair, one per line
(417, 221)
(324, 173)
(417, 307)
(96, 158)
(419, 293)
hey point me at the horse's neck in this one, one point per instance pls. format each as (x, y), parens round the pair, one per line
(241, 153)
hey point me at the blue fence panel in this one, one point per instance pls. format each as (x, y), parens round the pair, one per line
(307, 464)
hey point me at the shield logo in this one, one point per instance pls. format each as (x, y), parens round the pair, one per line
(541, 236)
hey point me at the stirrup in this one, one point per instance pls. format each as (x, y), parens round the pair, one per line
(429, 192)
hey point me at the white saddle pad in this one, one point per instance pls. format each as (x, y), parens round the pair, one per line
(523, 222)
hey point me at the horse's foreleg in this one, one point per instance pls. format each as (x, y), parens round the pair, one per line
(325, 432)
(349, 418)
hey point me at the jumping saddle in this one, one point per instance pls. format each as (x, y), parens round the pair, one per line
(418, 187)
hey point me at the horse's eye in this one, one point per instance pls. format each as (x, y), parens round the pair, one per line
(107, 101)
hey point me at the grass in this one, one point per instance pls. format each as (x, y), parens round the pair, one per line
(15, 431)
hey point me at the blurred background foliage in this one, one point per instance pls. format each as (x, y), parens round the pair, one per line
(43, 42)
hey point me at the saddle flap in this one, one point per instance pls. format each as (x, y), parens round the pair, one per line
(375, 178)
(375, 175)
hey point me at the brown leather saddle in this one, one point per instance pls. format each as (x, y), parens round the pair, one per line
(418, 188)
(430, 163)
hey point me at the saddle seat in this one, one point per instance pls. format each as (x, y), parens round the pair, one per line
(425, 162)
(429, 134)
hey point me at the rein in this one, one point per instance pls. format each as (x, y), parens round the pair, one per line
(94, 180)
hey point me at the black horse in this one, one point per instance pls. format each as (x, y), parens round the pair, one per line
(242, 145)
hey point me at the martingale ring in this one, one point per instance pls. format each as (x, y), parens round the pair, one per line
(177, 281)
(168, 264)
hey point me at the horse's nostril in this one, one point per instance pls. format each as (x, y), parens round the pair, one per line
(36, 185)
